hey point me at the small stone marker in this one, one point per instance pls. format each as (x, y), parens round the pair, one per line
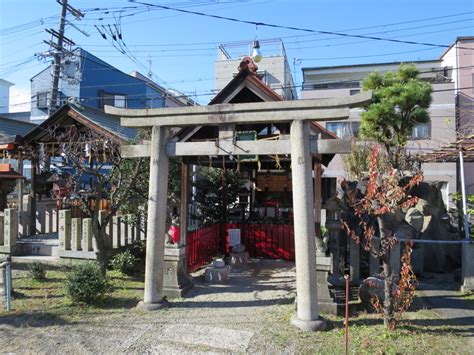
(10, 226)
(65, 229)
(76, 234)
(116, 221)
(123, 232)
(48, 221)
(87, 234)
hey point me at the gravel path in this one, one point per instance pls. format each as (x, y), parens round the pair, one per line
(210, 319)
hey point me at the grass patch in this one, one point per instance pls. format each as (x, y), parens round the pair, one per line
(468, 297)
(40, 301)
(421, 332)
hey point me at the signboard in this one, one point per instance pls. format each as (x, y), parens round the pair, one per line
(234, 237)
(246, 136)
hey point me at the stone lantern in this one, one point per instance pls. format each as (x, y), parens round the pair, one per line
(324, 264)
(334, 226)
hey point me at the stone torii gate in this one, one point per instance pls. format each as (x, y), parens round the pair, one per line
(299, 144)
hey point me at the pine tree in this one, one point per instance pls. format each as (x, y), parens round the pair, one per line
(400, 101)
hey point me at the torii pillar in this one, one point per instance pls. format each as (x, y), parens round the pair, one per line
(307, 315)
(156, 227)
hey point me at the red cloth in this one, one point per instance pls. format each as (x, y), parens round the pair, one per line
(175, 234)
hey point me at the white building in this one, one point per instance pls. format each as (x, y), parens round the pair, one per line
(4, 95)
(337, 81)
(273, 69)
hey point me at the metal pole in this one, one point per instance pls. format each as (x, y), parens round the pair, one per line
(463, 194)
(8, 284)
(57, 61)
(346, 318)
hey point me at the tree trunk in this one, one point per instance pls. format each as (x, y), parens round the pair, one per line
(387, 271)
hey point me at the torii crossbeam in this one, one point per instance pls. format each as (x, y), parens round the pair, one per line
(299, 113)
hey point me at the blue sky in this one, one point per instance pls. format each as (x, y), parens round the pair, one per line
(182, 47)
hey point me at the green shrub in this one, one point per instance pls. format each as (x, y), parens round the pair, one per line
(138, 249)
(124, 262)
(37, 271)
(86, 283)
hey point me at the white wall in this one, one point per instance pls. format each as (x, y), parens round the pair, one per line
(4, 95)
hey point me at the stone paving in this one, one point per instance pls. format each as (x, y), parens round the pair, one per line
(441, 293)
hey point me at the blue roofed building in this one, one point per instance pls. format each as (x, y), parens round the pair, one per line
(90, 81)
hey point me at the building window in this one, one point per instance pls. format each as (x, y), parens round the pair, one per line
(120, 101)
(421, 131)
(350, 84)
(354, 92)
(344, 130)
(42, 100)
(117, 100)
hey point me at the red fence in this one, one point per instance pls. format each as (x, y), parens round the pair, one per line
(202, 245)
(271, 241)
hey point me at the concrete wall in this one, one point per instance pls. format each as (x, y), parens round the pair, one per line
(278, 74)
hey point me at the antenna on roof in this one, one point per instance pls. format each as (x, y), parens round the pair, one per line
(150, 73)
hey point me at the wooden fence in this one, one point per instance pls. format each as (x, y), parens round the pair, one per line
(271, 241)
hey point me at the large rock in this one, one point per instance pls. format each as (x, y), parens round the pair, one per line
(415, 219)
(437, 257)
(423, 206)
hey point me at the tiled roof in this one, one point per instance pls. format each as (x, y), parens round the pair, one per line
(12, 128)
(110, 123)
(88, 116)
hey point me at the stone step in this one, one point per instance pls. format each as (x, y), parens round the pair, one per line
(28, 259)
(40, 245)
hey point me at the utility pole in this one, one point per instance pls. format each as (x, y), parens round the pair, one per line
(59, 47)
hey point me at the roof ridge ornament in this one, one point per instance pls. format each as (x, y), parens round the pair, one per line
(247, 63)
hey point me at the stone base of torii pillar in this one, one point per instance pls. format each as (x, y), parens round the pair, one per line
(176, 282)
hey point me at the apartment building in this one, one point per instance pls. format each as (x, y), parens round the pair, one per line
(451, 77)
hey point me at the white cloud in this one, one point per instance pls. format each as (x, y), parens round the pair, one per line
(19, 99)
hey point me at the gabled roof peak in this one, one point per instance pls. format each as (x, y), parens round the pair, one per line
(247, 63)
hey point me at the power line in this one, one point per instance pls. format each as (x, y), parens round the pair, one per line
(265, 24)
(245, 42)
(210, 93)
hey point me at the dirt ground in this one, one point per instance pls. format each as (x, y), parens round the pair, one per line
(249, 314)
(211, 318)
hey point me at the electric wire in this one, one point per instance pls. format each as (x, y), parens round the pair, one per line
(271, 25)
